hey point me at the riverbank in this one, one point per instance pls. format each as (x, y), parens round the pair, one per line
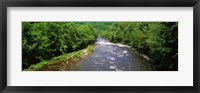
(145, 60)
(62, 62)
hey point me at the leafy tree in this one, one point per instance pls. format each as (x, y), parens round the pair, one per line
(44, 40)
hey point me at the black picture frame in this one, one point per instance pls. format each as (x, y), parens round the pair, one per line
(101, 3)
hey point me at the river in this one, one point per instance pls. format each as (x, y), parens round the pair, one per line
(108, 56)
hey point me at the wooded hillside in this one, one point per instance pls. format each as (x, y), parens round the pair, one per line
(45, 40)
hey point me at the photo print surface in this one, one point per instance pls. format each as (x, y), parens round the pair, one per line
(100, 46)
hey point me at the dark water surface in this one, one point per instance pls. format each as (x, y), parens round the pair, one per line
(108, 56)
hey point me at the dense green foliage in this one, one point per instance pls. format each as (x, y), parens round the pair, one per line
(44, 40)
(159, 40)
(59, 62)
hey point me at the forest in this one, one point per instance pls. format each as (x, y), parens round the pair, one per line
(46, 40)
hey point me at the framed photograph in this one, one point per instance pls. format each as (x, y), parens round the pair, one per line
(99, 46)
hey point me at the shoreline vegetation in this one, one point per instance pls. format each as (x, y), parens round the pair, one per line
(46, 44)
(158, 40)
(62, 62)
(46, 40)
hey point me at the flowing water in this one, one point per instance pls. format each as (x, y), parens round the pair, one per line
(108, 56)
